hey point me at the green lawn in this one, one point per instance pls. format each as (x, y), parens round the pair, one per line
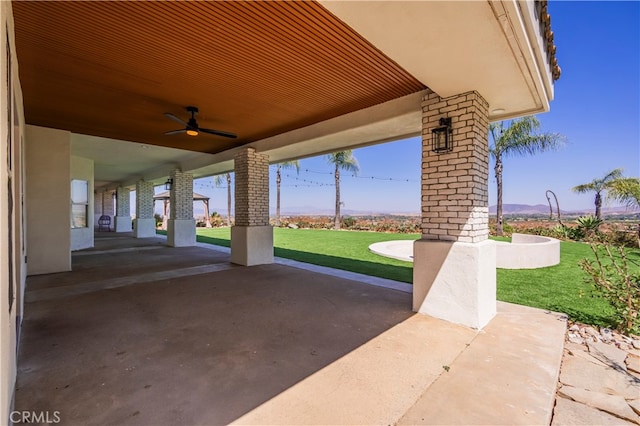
(559, 288)
(348, 250)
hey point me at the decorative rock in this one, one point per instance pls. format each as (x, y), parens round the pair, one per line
(623, 338)
(606, 335)
(589, 333)
(575, 347)
(612, 404)
(585, 355)
(609, 354)
(568, 412)
(633, 363)
(575, 338)
(600, 369)
(623, 346)
(598, 378)
(292, 226)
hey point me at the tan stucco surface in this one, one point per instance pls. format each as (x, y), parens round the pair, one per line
(48, 198)
(11, 250)
(527, 252)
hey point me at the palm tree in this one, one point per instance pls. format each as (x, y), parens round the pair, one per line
(284, 165)
(520, 137)
(343, 160)
(219, 180)
(626, 191)
(598, 186)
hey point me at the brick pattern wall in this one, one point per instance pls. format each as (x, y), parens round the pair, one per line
(122, 202)
(251, 188)
(181, 196)
(144, 200)
(97, 206)
(107, 203)
(455, 184)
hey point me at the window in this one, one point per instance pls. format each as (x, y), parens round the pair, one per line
(79, 203)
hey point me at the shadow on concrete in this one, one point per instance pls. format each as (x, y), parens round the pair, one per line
(392, 272)
(203, 349)
(269, 344)
(106, 264)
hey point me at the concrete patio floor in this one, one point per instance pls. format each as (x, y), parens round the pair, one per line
(140, 333)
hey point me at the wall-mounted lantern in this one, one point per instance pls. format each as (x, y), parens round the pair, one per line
(168, 183)
(442, 137)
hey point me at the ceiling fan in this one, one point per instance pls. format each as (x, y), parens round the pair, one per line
(191, 127)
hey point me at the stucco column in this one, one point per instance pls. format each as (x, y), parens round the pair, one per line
(123, 210)
(454, 273)
(181, 226)
(252, 236)
(145, 224)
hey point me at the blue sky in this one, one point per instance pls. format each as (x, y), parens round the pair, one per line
(596, 106)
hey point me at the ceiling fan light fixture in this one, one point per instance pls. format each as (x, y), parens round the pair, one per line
(191, 127)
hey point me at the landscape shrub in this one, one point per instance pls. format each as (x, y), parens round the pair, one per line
(625, 236)
(588, 226)
(394, 224)
(616, 282)
(507, 229)
(348, 222)
(216, 220)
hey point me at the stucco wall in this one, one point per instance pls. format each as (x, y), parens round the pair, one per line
(82, 168)
(48, 200)
(12, 266)
(527, 252)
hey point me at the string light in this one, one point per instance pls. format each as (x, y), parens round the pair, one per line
(362, 176)
(307, 182)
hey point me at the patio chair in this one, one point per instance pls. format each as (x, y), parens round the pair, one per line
(104, 223)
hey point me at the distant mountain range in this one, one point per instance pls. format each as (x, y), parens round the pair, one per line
(527, 209)
(524, 209)
(508, 209)
(314, 211)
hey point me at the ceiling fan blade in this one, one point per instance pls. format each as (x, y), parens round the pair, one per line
(176, 119)
(175, 132)
(218, 133)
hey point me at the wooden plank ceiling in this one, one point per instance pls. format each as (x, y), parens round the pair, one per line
(256, 68)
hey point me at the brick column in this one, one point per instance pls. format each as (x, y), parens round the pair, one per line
(123, 210)
(454, 262)
(145, 224)
(107, 204)
(97, 208)
(455, 184)
(181, 226)
(252, 236)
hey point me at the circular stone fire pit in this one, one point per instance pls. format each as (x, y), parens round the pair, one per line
(523, 252)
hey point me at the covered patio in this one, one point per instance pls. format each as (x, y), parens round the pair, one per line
(114, 328)
(142, 333)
